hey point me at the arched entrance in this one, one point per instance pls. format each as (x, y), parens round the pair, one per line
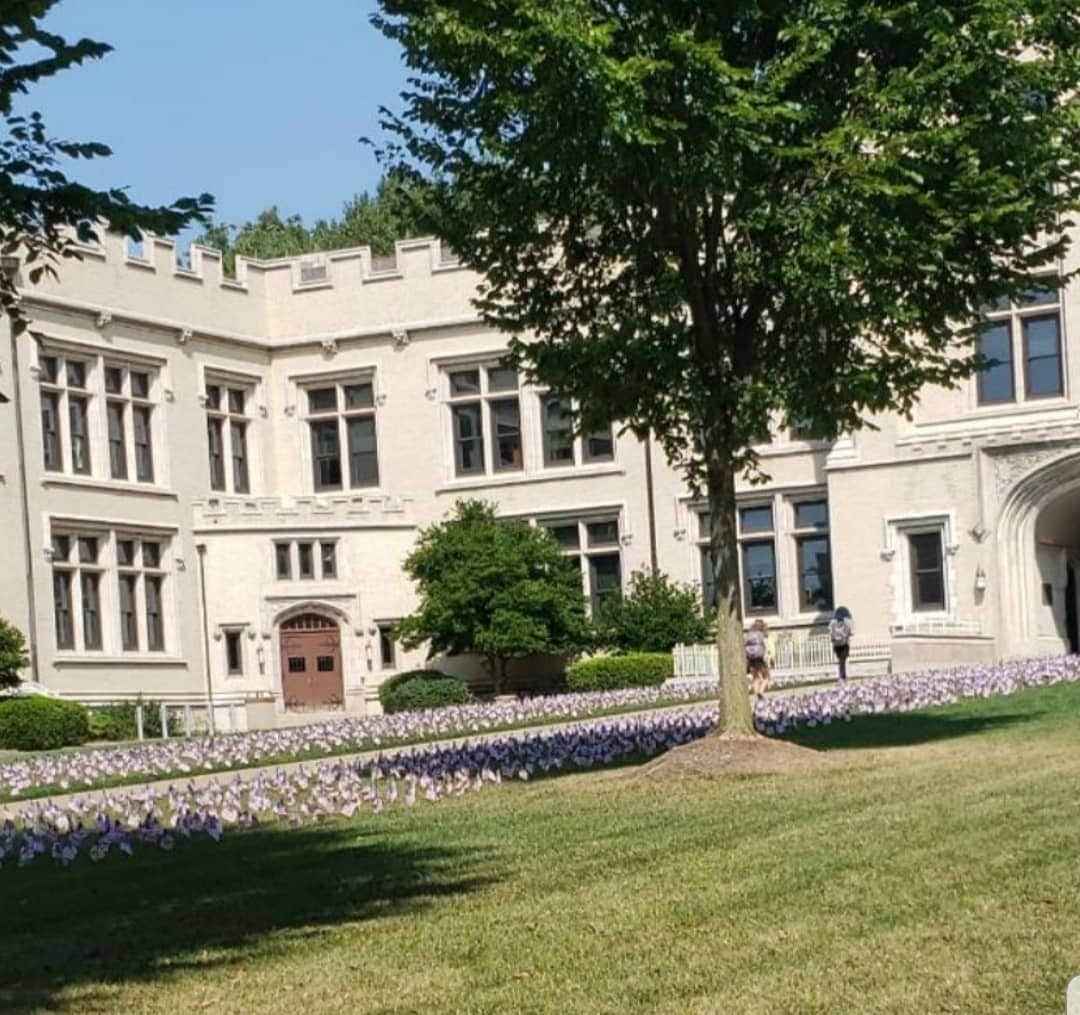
(1039, 540)
(311, 672)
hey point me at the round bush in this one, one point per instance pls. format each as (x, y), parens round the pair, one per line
(42, 724)
(609, 673)
(417, 689)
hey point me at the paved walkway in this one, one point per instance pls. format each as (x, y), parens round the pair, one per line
(12, 808)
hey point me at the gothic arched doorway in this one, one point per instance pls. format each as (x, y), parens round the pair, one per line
(311, 672)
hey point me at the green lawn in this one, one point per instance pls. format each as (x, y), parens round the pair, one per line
(936, 869)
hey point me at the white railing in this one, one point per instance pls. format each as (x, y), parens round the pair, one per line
(793, 656)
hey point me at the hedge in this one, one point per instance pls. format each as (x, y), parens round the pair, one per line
(42, 724)
(117, 722)
(417, 689)
(608, 673)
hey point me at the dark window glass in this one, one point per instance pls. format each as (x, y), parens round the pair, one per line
(61, 547)
(1039, 295)
(759, 576)
(144, 452)
(322, 399)
(605, 579)
(1042, 353)
(328, 556)
(468, 439)
(114, 412)
(1048, 594)
(297, 664)
(283, 560)
(359, 396)
(502, 378)
(995, 380)
(558, 432)
(704, 521)
(151, 554)
(129, 627)
(91, 610)
(213, 396)
(65, 637)
(326, 455)
(567, 536)
(324, 664)
(605, 533)
(140, 384)
(815, 573)
(76, 374)
(756, 519)
(927, 571)
(114, 380)
(599, 446)
(812, 515)
(155, 631)
(386, 648)
(506, 422)
(88, 550)
(50, 369)
(465, 382)
(80, 436)
(125, 552)
(217, 453)
(237, 398)
(50, 430)
(233, 654)
(708, 579)
(238, 447)
(305, 560)
(363, 451)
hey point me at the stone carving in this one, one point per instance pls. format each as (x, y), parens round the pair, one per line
(1010, 469)
(103, 320)
(400, 337)
(329, 347)
(183, 336)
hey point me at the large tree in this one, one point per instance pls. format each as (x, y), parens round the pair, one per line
(499, 588)
(45, 215)
(706, 218)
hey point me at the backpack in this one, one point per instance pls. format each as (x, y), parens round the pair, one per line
(839, 632)
(755, 647)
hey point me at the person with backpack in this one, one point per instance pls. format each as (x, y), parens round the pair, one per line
(757, 665)
(841, 628)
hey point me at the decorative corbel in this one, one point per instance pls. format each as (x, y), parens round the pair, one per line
(183, 336)
(103, 320)
(400, 337)
(168, 395)
(431, 394)
(329, 346)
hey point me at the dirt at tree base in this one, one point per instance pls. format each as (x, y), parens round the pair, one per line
(719, 755)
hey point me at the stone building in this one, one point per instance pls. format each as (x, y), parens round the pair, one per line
(209, 484)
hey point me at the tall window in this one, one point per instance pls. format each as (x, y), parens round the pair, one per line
(708, 572)
(341, 417)
(305, 559)
(593, 545)
(757, 549)
(926, 562)
(561, 447)
(129, 408)
(1026, 333)
(485, 415)
(234, 653)
(227, 437)
(387, 647)
(77, 571)
(139, 573)
(65, 397)
(812, 549)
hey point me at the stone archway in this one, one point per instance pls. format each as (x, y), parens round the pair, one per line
(1038, 537)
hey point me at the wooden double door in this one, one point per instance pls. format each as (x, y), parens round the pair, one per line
(311, 672)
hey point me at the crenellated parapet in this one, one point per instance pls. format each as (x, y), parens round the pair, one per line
(227, 513)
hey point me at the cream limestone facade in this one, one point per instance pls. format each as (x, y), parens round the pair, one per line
(209, 485)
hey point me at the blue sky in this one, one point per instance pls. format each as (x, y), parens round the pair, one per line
(257, 102)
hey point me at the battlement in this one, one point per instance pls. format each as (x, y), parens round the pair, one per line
(285, 299)
(305, 512)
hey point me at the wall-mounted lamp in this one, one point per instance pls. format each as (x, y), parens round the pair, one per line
(980, 578)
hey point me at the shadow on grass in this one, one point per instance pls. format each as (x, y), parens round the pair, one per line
(902, 730)
(142, 918)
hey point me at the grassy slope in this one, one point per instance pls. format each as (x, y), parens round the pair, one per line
(935, 873)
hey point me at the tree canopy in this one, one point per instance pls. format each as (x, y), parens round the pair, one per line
(495, 587)
(376, 220)
(654, 615)
(45, 215)
(698, 218)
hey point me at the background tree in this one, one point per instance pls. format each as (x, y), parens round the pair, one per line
(377, 220)
(13, 657)
(654, 615)
(498, 588)
(43, 213)
(708, 218)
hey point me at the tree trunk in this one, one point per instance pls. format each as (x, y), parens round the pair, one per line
(736, 718)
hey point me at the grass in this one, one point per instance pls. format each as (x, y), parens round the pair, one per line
(934, 869)
(270, 760)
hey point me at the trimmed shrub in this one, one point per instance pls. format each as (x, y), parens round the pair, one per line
(42, 724)
(117, 722)
(608, 673)
(13, 657)
(416, 689)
